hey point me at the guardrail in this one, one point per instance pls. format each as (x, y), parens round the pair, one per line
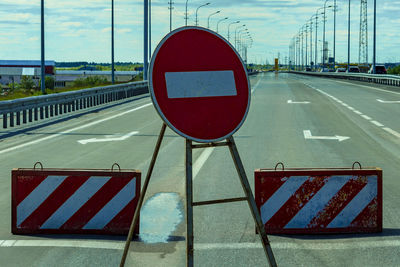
(392, 80)
(45, 106)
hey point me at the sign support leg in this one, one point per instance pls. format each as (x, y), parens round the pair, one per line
(142, 194)
(250, 200)
(189, 204)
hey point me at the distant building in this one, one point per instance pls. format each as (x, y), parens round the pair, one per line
(65, 78)
(11, 71)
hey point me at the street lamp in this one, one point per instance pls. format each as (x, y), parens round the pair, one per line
(244, 25)
(219, 21)
(334, 31)
(197, 21)
(229, 28)
(348, 41)
(42, 63)
(374, 49)
(208, 20)
(238, 36)
(186, 14)
(112, 41)
(323, 42)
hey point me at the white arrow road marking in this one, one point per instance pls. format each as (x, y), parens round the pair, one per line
(108, 138)
(308, 135)
(388, 102)
(300, 102)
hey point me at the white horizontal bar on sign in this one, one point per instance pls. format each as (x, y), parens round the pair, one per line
(200, 84)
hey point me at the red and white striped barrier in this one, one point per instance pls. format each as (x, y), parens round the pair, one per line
(303, 201)
(73, 201)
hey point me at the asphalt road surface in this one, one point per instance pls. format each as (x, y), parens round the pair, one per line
(283, 107)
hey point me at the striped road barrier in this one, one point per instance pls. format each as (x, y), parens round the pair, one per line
(60, 201)
(316, 201)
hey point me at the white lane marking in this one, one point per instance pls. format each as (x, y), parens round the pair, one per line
(298, 102)
(351, 108)
(308, 135)
(75, 202)
(201, 160)
(119, 245)
(356, 205)
(191, 84)
(317, 202)
(388, 102)
(258, 83)
(72, 129)
(308, 245)
(108, 138)
(392, 132)
(113, 207)
(366, 117)
(345, 105)
(279, 198)
(37, 196)
(377, 123)
(373, 88)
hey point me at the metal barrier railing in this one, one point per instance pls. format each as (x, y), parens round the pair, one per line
(392, 80)
(25, 110)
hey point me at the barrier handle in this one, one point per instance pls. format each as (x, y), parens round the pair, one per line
(41, 165)
(280, 163)
(115, 164)
(356, 162)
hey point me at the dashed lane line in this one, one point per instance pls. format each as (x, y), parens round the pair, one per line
(376, 123)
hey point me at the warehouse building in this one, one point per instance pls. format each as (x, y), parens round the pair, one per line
(11, 71)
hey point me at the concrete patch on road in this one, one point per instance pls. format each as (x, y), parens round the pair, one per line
(159, 217)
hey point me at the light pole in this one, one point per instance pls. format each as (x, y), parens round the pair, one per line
(310, 23)
(238, 36)
(316, 36)
(186, 14)
(197, 21)
(208, 19)
(306, 44)
(145, 38)
(150, 29)
(42, 63)
(323, 42)
(219, 21)
(334, 32)
(238, 27)
(112, 41)
(229, 37)
(348, 41)
(374, 48)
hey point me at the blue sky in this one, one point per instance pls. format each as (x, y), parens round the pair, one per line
(80, 30)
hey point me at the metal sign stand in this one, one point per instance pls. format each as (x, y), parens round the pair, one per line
(230, 142)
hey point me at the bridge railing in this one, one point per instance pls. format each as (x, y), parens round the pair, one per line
(392, 80)
(25, 110)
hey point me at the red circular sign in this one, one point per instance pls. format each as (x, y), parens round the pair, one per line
(199, 84)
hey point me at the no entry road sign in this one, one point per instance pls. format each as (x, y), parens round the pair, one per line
(199, 84)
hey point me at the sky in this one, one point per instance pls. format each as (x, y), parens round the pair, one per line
(80, 30)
